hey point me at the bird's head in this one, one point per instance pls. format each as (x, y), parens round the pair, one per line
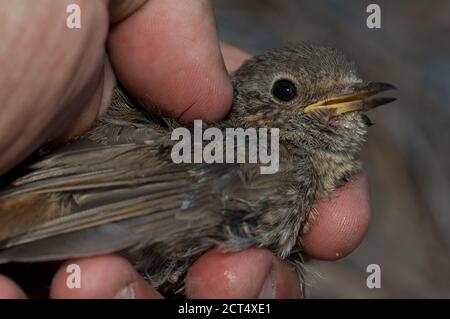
(311, 93)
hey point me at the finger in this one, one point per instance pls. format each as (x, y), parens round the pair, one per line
(9, 289)
(106, 276)
(167, 55)
(253, 273)
(233, 56)
(341, 222)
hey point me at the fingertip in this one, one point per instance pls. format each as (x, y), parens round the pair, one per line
(100, 277)
(341, 223)
(229, 275)
(10, 290)
(252, 273)
(167, 55)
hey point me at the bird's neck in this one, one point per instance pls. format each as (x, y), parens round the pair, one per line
(318, 172)
(332, 170)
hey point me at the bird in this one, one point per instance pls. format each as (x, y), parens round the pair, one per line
(117, 189)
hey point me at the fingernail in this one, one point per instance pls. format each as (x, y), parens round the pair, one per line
(268, 288)
(126, 292)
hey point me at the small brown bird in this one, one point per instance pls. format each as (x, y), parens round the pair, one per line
(116, 189)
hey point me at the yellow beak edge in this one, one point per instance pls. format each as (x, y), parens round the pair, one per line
(356, 101)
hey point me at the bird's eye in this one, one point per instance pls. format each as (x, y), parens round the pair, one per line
(284, 90)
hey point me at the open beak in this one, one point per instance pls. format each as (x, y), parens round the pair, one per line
(355, 101)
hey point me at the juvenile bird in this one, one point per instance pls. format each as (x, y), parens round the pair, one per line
(116, 189)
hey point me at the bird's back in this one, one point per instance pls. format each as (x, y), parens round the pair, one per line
(118, 189)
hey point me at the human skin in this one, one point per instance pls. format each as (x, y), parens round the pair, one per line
(56, 81)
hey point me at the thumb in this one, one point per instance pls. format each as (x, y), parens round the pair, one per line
(167, 54)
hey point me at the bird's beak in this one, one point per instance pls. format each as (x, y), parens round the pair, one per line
(355, 101)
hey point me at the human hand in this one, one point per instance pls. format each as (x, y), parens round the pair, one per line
(166, 53)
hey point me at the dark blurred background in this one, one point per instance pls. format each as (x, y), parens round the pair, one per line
(408, 154)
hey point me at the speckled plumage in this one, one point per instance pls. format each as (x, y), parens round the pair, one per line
(117, 189)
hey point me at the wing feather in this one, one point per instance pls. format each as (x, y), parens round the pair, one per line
(108, 191)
